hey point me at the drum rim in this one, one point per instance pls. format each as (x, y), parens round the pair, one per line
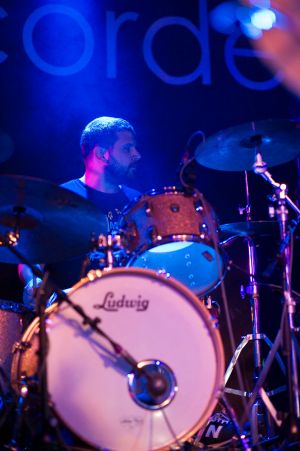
(172, 189)
(96, 275)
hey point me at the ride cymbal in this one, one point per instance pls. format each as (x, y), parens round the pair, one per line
(53, 223)
(234, 149)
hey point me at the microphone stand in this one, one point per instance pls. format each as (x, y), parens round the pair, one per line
(288, 323)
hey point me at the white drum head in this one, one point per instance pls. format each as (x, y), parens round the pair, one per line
(153, 319)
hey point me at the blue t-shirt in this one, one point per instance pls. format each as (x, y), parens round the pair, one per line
(66, 273)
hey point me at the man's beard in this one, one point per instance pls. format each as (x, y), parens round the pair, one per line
(119, 174)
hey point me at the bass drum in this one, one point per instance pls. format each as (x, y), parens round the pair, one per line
(175, 233)
(97, 394)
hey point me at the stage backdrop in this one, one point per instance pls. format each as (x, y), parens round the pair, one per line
(162, 65)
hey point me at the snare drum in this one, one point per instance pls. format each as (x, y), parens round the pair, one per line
(174, 233)
(168, 332)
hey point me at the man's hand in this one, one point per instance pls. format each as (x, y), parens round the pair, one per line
(30, 291)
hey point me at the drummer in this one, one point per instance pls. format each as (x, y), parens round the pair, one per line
(108, 146)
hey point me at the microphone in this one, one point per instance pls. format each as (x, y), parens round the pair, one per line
(187, 165)
(191, 145)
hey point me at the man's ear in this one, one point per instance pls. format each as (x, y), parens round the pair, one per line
(101, 153)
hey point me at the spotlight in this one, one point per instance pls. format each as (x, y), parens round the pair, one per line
(253, 19)
(263, 19)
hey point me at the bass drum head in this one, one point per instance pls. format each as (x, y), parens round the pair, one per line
(155, 321)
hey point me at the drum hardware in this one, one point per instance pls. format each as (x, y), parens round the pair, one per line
(260, 420)
(20, 346)
(213, 308)
(234, 149)
(286, 332)
(108, 244)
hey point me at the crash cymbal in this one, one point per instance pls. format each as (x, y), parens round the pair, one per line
(234, 149)
(248, 228)
(54, 223)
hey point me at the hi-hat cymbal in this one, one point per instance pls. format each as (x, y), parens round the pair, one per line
(54, 223)
(234, 149)
(248, 228)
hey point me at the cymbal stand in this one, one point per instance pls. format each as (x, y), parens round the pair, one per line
(288, 323)
(108, 244)
(252, 290)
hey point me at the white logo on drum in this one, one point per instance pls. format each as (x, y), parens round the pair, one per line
(111, 304)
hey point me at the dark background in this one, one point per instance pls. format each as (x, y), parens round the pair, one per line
(43, 113)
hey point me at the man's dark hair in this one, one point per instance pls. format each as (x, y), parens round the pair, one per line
(102, 131)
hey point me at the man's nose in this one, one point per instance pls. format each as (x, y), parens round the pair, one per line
(135, 154)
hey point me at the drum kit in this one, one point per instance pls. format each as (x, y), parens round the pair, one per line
(130, 358)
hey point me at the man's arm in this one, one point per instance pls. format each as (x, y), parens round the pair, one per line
(31, 283)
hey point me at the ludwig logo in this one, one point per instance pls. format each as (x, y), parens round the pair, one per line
(112, 304)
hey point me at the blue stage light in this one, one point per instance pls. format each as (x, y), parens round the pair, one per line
(223, 17)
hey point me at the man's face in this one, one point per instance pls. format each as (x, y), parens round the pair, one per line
(123, 156)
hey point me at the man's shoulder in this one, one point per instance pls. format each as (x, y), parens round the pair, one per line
(76, 186)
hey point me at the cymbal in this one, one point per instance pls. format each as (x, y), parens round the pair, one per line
(55, 223)
(248, 228)
(234, 149)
